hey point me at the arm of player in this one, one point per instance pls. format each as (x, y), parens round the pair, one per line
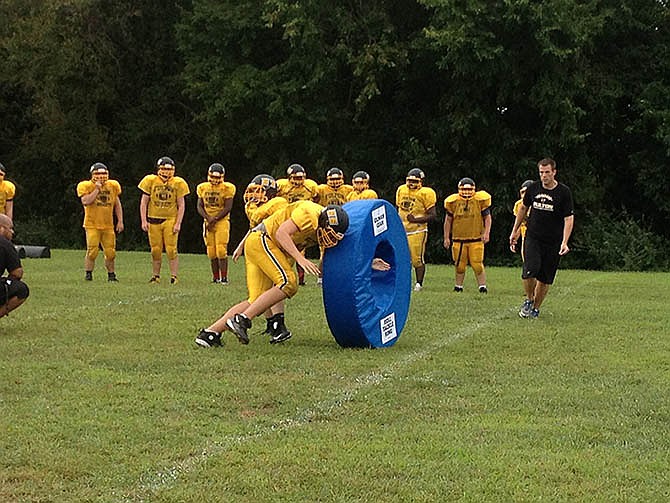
(118, 211)
(239, 251)
(486, 234)
(181, 207)
(448, 219)
(144, 204)
(283, 238)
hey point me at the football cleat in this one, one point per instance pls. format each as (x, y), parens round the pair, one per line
(483, 289)
(155, 279)
(89, 276)
(173, 280)
(111, 276)
(208, 338)
(239, 324)
(283, 334)
(458, 289)
(418, 287)
(534, 313)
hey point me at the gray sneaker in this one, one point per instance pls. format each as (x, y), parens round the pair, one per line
(526, 308)
(239, 324)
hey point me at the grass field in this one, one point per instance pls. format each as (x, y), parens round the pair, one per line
(104, 397)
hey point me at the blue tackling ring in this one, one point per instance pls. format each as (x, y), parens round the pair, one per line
(367, 308)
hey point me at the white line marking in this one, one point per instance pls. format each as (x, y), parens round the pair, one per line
(164, 479)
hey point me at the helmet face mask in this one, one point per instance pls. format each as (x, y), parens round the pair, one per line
(296, 175)
(360, 181)
(215, 174)
(414, 179)
(466, 188)
(262, 188)
(99, 173)
(333, 223)
(165, 168)
(335, 178)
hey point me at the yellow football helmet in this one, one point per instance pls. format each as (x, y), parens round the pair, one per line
(262, 188)
(335, 178)
(215, 173)
(99, 173)
(415, 178)
(165, 167)
(466, 188)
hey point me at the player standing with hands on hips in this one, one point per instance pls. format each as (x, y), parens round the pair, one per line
(549, 228)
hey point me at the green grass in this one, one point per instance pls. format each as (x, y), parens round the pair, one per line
(104, 396)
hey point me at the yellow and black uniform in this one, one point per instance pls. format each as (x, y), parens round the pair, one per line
(162, 212)
(467, 227)
(292, 193)
(328, 195)
(7, 193)
(214, 196)
(99, 217)
(267, 263)
(356, 195)
(416, 202)
(256, 213)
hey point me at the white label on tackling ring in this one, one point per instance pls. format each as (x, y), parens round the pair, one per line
(387, 326)
(379, 224)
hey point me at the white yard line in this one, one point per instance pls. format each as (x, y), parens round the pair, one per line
(167, 477)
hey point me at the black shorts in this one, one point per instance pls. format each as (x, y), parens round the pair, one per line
(540, 260)
(12, 288)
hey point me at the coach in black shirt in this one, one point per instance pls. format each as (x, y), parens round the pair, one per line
(550, 210)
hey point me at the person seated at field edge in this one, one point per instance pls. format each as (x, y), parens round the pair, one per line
(13, 291)
(270, 250)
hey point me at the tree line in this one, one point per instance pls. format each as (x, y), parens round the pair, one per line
(457, 88)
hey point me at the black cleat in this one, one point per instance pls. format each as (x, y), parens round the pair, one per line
(239, 324)
(208, 339)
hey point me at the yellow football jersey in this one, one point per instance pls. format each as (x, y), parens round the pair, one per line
(214, 196)
(257, 213)
(328, 195)
(304, 214)
(524, 223)
(99, 214)
(163, 195)
(7, 193)
(355, 195)
(467, 213)
(416, 202)
(305, 192)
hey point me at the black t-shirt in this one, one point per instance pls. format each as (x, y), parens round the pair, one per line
(548, 209)
(9, 257)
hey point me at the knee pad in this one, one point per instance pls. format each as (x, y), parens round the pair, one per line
(478, 268)
(92, 252)
(110, 254)
(221, 251)
(461, 266)
(156, 252)
(211, 252)
(171, 251)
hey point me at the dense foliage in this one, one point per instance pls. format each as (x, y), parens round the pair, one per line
(458, 88)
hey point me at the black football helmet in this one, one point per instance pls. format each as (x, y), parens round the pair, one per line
(165, 168)
(99, 172)
(335, 178)
(466, 188)
(333, 223)
(296, 174)
(415, 178)
(261, 188)
(524, 186)
(360, 181)
(2, 169)
(215, 173)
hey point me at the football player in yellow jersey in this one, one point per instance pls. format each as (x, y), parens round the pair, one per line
(467, 227)
(270, 251)
(297, 187)
(100, 198)
(361, 184)
(162, 209)
(260, 201)
(7, 193)
(334, 191)
(517, 206)
(416, 207)
(215, 200)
